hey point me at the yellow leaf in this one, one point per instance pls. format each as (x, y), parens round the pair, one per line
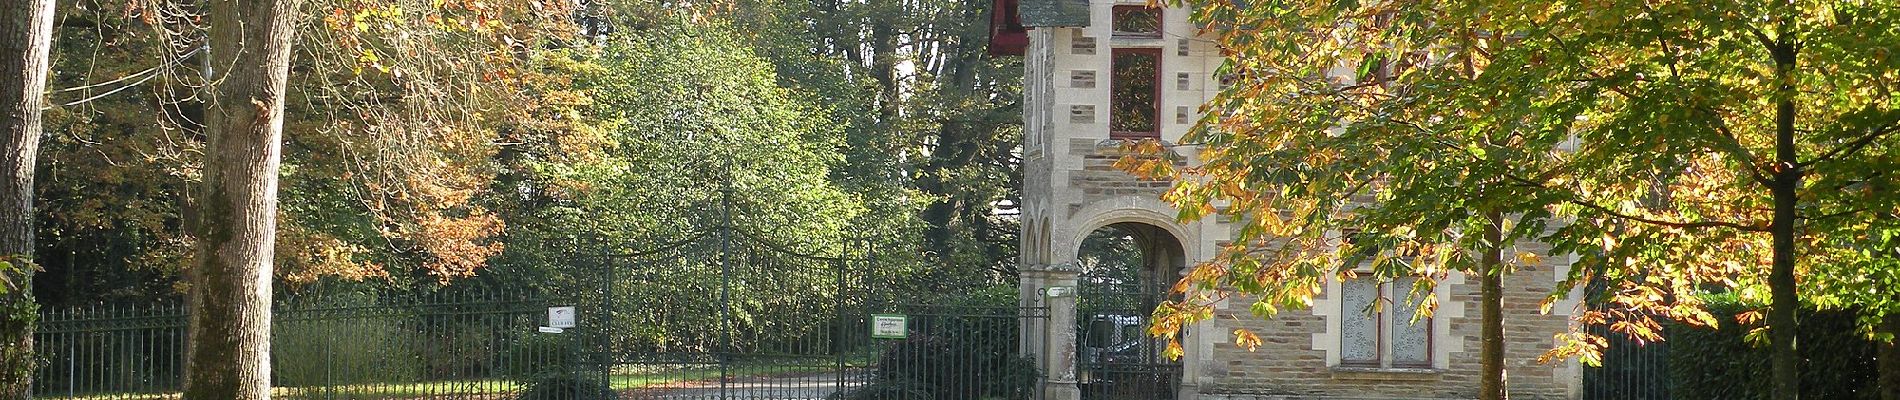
(1527, 258)
(1247, 339)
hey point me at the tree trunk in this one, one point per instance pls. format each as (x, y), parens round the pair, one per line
(1491, 293)
(1889, 359)
(958, 143)
(1781, 284)
(229, 351)
(26, 32)
(884, 58)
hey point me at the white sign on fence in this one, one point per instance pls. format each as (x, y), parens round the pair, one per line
(889, 326)
(561, 317)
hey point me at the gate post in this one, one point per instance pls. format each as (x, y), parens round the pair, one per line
(1053, 340)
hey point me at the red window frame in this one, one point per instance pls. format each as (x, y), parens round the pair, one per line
(1114, 83)
(1117, 12)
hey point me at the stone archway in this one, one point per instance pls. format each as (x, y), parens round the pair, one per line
(1125, 269)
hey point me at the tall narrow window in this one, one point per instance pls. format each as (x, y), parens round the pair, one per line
(1385, 335)
(1135, 94)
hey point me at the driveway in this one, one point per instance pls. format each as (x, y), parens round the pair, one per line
(817, 386)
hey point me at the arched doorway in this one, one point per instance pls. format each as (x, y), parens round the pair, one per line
(1126, 270)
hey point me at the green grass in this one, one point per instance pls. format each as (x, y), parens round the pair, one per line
(402, 390)
(363, 391)
(619, 380)
(637, 380)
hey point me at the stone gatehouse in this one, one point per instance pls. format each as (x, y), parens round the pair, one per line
(1100, 71)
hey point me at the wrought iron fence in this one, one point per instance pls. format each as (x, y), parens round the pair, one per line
(467, 345)
(694, 321)
(717, 314)
(951, 352)
(110, 352)
(1631, 370)
(714, 317)
(728, 315)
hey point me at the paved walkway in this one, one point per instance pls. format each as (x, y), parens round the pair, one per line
(796, 387)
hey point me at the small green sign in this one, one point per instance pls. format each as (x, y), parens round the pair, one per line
(890, 326)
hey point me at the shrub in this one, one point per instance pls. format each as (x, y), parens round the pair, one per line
(548, 365)
(950, 367)
(964, 350)
(1837, 359)
(341, 351)
(458, 349)
(886, 390)
(568, 387)
(538, 356)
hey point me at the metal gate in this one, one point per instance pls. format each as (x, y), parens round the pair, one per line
(1117, 359)
(729, 315)
(1631, 369)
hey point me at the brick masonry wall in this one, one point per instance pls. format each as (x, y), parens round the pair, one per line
(1288, 367)
(1099, 179)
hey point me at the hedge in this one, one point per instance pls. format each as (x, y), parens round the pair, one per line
(1838, 361)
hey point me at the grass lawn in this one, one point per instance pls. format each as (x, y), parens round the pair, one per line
(637, 380)
(620, 380)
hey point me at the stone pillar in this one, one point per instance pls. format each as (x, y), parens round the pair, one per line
(1054, 339)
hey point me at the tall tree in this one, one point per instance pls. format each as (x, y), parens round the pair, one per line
(392, 124)
(1360, 135)
(1725, 144)
(228, 356)
(1697, 147)
(26, 34)
(939, 120)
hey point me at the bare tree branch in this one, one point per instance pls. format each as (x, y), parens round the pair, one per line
(1642, 219)
(1851, 147)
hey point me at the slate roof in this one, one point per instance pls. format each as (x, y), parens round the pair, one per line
(1055, 13)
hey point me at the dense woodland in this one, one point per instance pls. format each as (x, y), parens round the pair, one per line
(420, 153)
(222, 154)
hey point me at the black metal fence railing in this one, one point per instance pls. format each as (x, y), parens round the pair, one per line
(338, 347)
(726, 315)
(110, 352)
(1631, 370)
(789, 328)
(714, 314)
(951, 352)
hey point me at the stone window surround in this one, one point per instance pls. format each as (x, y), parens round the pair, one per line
(1395, 297)
(1444, 344)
